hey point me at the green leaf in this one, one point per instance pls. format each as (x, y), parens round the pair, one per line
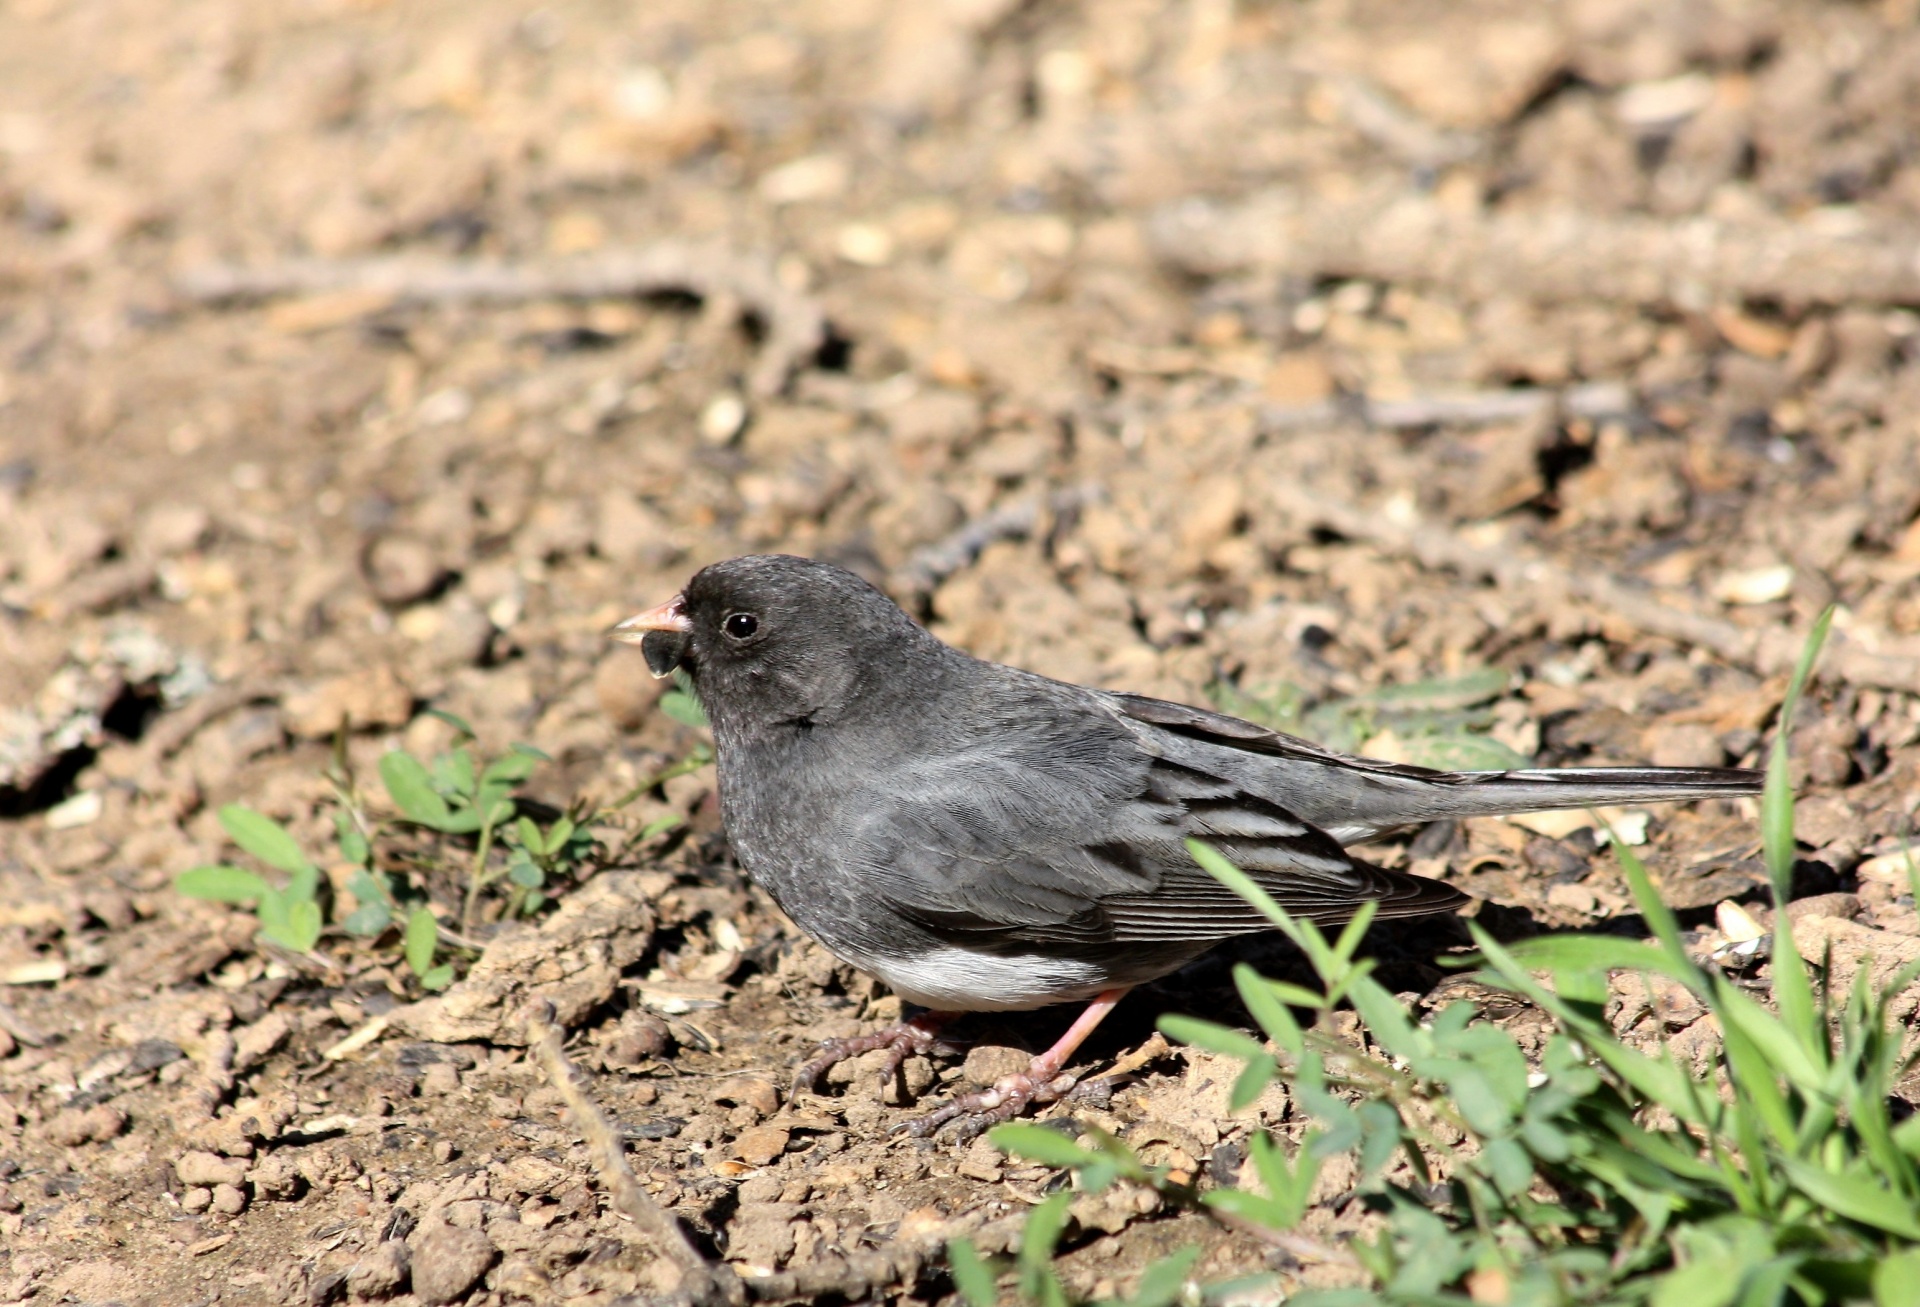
(1590, 952)
(1508, 1165)
(1267, 1000)
(1252, 1082)
(1896, 1280)
(1162, 1282)
(660, 825)
(412, 790)
(263, 837)
(1037, 1143)
(457, 722)
(437, 978)
(1855, 1197)
(303, 886)
(423, 936)
(972, 1276)
(453, 773)
(222, 885)
(1708, 1282)
(368, 920)
(1044, 1224)
(529, 836)
(525, 874)
(1210, 1036)
(301, 929)
(509, 770)
(272, 912)
(559, 834)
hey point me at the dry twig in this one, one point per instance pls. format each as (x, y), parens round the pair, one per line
(796, 326)
(706, 1284)
(1767, 651)
(934, 563)
(701, 1282)
(1545, 254)
(1596, 401)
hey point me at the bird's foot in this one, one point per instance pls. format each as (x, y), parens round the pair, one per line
(1009, 1097)
(919, 1034)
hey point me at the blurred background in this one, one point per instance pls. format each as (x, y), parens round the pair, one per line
(359, 357)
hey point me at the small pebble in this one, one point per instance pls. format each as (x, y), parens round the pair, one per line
(208, 1169)
(402, 569)
(381, 1272)
(761, 1145)
(988, 1064)
(447, 1261)
(722, 419)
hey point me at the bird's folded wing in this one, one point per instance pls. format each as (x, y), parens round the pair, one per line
(1044, 848)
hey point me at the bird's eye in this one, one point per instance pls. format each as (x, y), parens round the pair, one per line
(741, 625)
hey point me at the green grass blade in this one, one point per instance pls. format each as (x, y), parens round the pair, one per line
(1659, 917)
(1792, 988)
(1776, 805)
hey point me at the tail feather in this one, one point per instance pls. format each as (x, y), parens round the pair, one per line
(1442, 795)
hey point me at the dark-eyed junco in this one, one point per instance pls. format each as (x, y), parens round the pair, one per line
(984, 839)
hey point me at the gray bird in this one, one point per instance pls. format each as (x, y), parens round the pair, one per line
(984, 839)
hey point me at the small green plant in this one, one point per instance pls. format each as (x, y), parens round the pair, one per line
(1596, 1172)
(454, 795)
(457, 794)
(1440, 723)
(289, 914)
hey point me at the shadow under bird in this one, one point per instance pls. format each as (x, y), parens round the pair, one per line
(985, 839)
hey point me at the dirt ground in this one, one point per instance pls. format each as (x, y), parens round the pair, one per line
(363, 358)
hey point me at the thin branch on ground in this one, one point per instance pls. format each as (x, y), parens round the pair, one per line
(795, 324)
(934, 563)
(1548, 253)
(1855, 656)
(708, 1284)
(702, 1283)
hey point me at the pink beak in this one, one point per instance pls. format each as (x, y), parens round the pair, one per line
(670, 616)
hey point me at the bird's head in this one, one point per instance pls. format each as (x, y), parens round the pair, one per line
(770, 639)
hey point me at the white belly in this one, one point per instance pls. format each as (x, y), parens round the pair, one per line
(952, 979)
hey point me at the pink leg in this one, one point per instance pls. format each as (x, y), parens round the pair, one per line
(1043, 1081)
(918, 1034)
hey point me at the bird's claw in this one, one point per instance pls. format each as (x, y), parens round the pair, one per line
(918, 1035)
(1009, 1097)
